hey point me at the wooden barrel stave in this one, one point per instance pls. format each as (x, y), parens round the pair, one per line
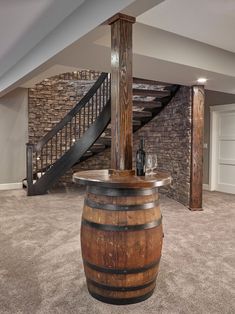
(122, 280)
(122, 218)
(110, 292)
(119, 249)
(122, 200)
(121, 238)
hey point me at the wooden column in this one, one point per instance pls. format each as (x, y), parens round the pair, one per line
(198, 95)
(121, 92)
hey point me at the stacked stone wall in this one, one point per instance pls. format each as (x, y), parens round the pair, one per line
(168, 135)
(50, 100)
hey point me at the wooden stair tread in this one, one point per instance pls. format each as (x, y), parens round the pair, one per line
(88, 154)
(105, 137)
(105, 140)
(106, 134)
(147, 104)
(97, 144)
(136, 122)
(150, 92)
(142, 114)
(137, 80)
(94, 149)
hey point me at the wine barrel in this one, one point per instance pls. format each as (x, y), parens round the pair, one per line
(121, 241)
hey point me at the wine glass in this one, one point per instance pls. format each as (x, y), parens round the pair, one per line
(149, 164)
(154, 163)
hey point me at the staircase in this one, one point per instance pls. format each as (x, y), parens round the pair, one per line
(86, 131)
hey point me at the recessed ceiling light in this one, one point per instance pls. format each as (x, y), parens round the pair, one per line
(202, 80)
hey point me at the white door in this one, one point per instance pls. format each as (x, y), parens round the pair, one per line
(225, 177)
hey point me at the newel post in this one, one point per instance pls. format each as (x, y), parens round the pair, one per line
(29, 167)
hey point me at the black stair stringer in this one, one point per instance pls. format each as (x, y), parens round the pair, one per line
(62, 165)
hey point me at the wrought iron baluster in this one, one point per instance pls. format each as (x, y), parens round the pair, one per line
(84, 119)
(107, 90)
(75, 127)
(88, 114)
(56, 143)
(96, 104)
(41, 157)
(36, 163)
(66, 131)
(51, 151)
(70, 135)
(80, 123)
(92, 109)
(99, 100)
(61, 141)
(46, 155)
(109, 86)
(103, 94)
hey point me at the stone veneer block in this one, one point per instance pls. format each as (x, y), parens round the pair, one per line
(168, 135)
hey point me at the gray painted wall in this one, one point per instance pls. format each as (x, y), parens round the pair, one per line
(13, 135)
(212, 98)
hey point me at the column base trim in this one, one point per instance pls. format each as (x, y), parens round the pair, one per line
(195, 209)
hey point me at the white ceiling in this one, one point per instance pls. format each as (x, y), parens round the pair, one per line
(209, 21)
(23, 23)
(55, 24)
(174, 40)
(15, 20)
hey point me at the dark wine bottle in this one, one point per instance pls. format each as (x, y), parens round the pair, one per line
(140, 159)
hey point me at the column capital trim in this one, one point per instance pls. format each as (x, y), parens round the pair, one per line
(120, 16)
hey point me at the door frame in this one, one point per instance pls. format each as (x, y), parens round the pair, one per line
(214, 114)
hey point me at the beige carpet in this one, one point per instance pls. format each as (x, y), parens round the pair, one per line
(41, 269)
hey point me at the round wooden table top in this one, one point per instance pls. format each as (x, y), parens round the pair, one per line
(103, 178)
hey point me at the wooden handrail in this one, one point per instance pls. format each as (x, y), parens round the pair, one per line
(41, 157)
(64, 163)
(71, 114)
(68, 141)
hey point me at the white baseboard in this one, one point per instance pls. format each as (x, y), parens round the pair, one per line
(11, 186)
(206, 187)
